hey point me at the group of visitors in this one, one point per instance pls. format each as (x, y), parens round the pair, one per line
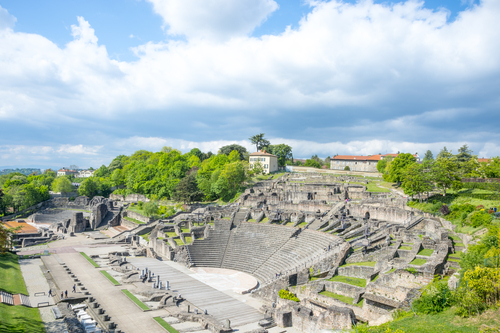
(63, 294)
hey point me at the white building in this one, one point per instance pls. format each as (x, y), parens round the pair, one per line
(85, 174)
(268, 161)
(66, 172)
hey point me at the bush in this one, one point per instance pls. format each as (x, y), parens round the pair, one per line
(140, 204)
(435, 298)
(150, 208)
(479, 218)
(285, 294)
(445, 210)
(347, 168)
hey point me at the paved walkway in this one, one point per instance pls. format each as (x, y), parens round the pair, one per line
(35, 281)
(51, 324)
(123, 312)
(218, 304)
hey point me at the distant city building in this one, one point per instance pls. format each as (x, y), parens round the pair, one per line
(360, 163)
(66, 172)
(268, 161)
(85, 174)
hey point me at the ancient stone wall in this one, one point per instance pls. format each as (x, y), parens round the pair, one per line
(392, 214)
(138, 216)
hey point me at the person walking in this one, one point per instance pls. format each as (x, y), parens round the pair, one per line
(50, 292)
(66, 294)
(74, 288)
(62, 295)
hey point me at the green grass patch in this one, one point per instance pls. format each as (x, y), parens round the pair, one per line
(406, 243)
(188, 240)
(185, 230)
(453, 259)
(426, 252)
(90, 260)
(360, 303)
(407, 248)
(302, 224)
(459, 244)
(265, 219)
(134, 299)
(110, 278)
(226, 218)
(251, 220)
(11, 278)
(455, 238)
(178, 241)
(146, 236)
(349, 280)
(363, 263)
(133, 220)
(375, 278)
(445, 321)
(171, 234)
(20, 319)
(418, 262)
(373, 187)
(392, 270)
(341, 298)
(165, 325)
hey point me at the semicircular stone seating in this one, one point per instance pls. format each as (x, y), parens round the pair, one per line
(262, 250)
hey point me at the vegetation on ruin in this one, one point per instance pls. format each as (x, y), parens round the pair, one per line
(342, 298)
(134, 299)
(110, 278)
(426, 252)
(285, 294)
(92, 262)
(133, 220)
(363, 263)
(418, 262)
(349, 280)
(165, 325)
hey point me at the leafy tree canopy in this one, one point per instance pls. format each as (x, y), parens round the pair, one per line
(226, 150)
(282, 151)
(259, 141)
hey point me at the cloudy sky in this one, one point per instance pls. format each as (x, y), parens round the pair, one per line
(84, 81)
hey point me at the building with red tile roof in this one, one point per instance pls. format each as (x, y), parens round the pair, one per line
(359, 163)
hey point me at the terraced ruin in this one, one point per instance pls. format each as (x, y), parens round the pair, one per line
(347, 254)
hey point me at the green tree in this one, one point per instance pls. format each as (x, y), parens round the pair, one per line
(230, 180)
(312, 163)
(187, 190)
(398, 166)
(317, 159)
(150, 208)
(117, 163)
(445, 173)
(327, 161)
(428, 156)
(259, 141)
(196, 152)
(381, 165)
(347, 168)
(62, 185)
(226, 150)
(102, 172)
(416, 181)
(464, 154)
(6, 237)
(444, 153)
(282, 151)
(491, 169)
(88, 188)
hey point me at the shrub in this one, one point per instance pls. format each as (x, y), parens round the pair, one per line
(445, 210)
(479, 218)
(140, 204)
(285, 294)
(347, 168)
(411, 270)
(435, 298)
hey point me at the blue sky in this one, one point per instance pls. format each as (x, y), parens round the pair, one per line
(84, 81)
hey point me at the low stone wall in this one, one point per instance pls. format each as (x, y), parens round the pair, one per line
(363, 272)
(138, 216)
(129, 224)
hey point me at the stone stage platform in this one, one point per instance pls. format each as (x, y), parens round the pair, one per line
(213, 299)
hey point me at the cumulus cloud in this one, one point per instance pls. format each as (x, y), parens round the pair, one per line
(352, 78)
(6, 20)
(213, 19)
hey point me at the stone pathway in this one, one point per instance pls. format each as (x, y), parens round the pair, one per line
(35, 281)
(51, 324)
(217, 303)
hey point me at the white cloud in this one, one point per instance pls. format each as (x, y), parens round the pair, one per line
(213, 19)
(6, 20)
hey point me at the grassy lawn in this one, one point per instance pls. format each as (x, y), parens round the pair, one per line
(418, 262)
(90, 260)
(364, 263)
(445, 321)
(341, 298)
(11, 278)
(134, 299)
(302, 224)
(349, 280)
(407, 248)
(251, 220)
(459, 244)
(133, 220)
(20, 319)
(165, 325)
(226, 218)
(426, 252)
(188, 240)
(178, 241)
(171, 234)
(110, 278)
(372, 187)
(455, 238)
(392, 270)
(185, 230)
(265, 219)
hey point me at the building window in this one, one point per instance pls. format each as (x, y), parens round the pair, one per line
(266, 166)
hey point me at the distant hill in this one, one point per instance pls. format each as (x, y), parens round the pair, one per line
(24, 171)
